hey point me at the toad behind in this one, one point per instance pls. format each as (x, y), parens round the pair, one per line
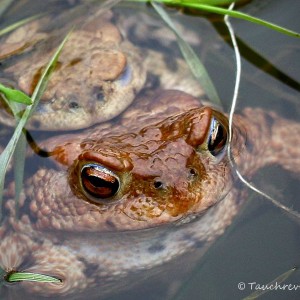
(98, 74)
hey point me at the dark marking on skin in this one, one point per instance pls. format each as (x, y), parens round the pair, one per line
(110, 224)
(36, 124)
(156, 248)
(187, 237)
(171, 63)
(58, 66)
(204, 97)
(114, 20)
(26, 263)
(250, 146)
(91, 270)
(73, 105)
(35, 79)
(270, 120)
(98, 92)
(199, 244)
(38, 74)
(74, 62)
(153, 81)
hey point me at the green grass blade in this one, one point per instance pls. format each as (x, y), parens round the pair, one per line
(6, 155)
(191, 58)
(231, 13)
(15, 95)
(18, 24)
(26, 276)
(243, 16)
(216, 2)
(42, 83)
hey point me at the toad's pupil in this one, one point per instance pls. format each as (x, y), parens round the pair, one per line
(99, 182)
(217, 139)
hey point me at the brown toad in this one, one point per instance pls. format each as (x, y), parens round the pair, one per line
(163, 162)
(98, 74)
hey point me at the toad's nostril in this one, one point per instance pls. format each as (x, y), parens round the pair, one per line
(73, 105)
(98, 94)
(158, 185)
(192, 172)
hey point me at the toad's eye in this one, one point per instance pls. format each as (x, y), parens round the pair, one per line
(99, 182)
(217, 139)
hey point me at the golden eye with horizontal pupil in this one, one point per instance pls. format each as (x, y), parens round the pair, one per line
(99, 182)
(217, 139)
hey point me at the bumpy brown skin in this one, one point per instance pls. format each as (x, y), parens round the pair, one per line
(165, 152)
(97, 76)
(161, 138)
